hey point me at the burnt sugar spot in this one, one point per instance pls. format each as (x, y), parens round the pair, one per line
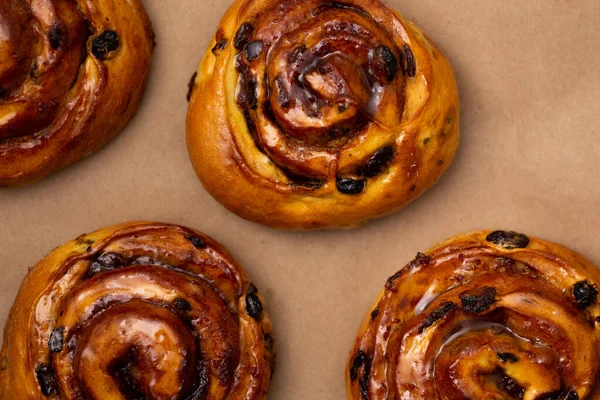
(196, 241)
(191, 86)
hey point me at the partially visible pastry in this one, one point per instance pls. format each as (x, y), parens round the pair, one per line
(311, 114)
(485, 315)
(72, 73)
(137, 311)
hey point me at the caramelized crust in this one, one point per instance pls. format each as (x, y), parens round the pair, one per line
(310, 114)
(137, 311)
(485, 315)
(72, 73)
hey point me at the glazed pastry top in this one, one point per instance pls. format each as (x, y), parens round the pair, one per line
(71, 75)
(332, 113)
(141, 310)
(490, 315)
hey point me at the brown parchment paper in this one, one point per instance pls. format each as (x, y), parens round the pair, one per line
(529, 78)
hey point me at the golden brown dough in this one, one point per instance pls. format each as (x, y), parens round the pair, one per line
(137, 311)
(72, 73)
(485, 315)
(308, 114)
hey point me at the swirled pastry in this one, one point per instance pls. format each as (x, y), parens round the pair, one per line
(313, 114)
(137, 311)
(71, 75)
(486, 315)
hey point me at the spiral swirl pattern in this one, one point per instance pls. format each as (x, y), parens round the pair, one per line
(71, 75)
(138, 311)
(492, 315)
(320, 114)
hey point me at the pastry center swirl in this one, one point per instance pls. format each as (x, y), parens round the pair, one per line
(42, 48)
(472, 325)
(312, 77)
(155, 355)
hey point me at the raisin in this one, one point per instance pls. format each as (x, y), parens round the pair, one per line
(512, 387)
(478, 300)
(508, 239)
(56, 340)
(304, 181)
(106, 262)
(383, 63)
(572, 395)
(247, 95)
(243, 35)
(106, 42)
(410, 62)
(363, 382)
(45, 378)
(254, 306)
(358, 362)
(350, 186)
(510, 357)
(253, 50)
(374, 314)
(182, 304)
(584, 293)
(377, 162)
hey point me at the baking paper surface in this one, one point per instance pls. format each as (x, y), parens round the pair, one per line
(529, 79)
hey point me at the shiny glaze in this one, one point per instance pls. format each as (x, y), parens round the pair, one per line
(64, 89)
(531, 341)
(168, 320)
(318, 88)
